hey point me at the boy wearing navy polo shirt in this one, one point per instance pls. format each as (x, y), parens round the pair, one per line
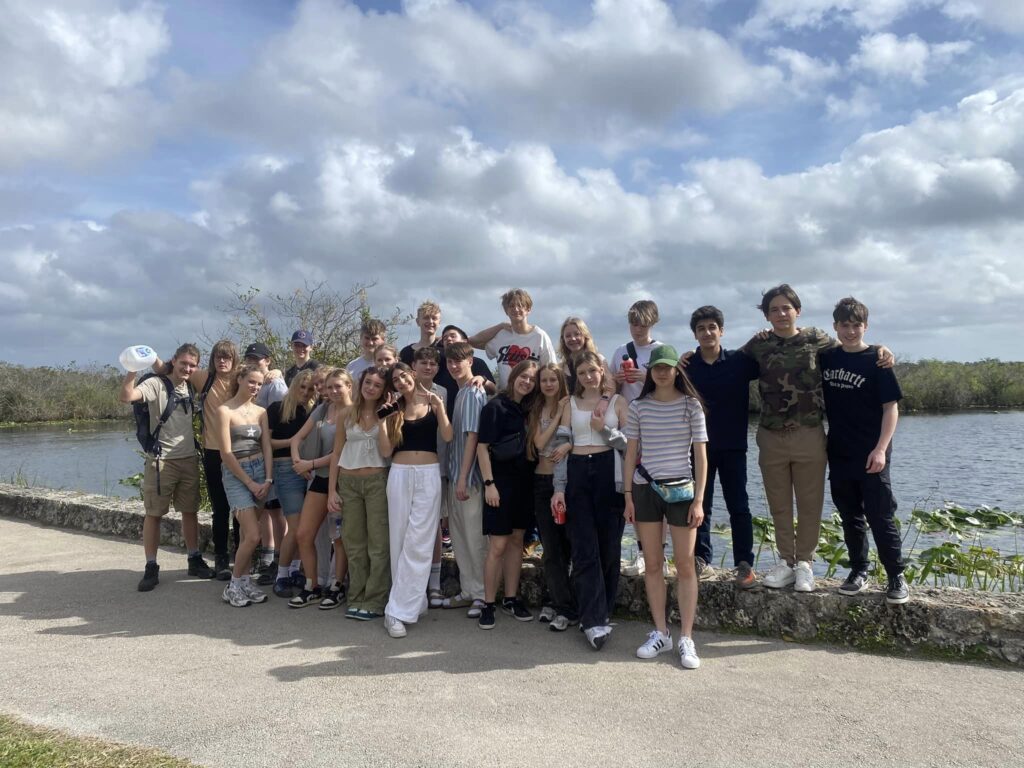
(723, 379)
(861, 402)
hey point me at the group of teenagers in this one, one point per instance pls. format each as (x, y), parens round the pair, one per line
(350, 477)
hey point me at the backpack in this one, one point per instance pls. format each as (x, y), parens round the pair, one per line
(200, 403)
(150, 440)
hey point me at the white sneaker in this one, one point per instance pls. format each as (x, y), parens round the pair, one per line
(656, 643)
(547, 615)
(803, 576)
(597, 636)
(635, 568)
(394, 627)
(235, 596)
(780, 576)
(688, 653)
(475, 609)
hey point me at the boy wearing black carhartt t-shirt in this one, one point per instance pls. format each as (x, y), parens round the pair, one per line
(861, 402)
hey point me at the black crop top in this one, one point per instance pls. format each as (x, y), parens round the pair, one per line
(419, 435)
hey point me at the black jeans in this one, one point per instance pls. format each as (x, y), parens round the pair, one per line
(556, 553)
(731, 468)
(865, 500)
(595, 523)
(218, 502)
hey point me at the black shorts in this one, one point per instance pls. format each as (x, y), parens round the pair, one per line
(651, 508)
(319, 485)
(515, 495)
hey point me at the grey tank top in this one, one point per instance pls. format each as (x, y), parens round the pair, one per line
(245, 439)
(327, 443)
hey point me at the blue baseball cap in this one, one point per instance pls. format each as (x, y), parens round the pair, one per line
(303, 337)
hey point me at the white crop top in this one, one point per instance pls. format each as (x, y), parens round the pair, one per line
(582, 434)
(360, 450)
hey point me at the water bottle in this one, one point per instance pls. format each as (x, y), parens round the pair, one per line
(137, 357)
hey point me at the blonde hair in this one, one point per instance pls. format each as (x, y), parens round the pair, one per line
(291, 402)
(428, 307)
(588, 339)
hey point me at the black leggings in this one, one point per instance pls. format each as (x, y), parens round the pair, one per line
(219, 502)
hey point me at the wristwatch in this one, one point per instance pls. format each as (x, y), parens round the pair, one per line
(488, 483)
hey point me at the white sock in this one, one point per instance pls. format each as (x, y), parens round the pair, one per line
(282, 572)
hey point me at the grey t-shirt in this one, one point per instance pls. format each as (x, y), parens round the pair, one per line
(175, 438)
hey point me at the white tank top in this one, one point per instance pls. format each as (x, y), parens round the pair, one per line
(582, 434)
(360, 450)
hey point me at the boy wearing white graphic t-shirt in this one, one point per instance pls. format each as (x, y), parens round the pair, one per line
(512, 342)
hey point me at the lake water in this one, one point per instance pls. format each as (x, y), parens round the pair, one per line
(970, 458)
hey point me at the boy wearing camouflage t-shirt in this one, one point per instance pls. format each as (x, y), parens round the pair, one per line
(791, 436)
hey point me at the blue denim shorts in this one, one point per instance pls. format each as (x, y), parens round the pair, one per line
(240, 497)
(290, 487)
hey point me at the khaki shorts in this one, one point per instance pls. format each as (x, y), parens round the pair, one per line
(179, 485)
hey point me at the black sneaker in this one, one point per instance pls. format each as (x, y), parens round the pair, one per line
(268, 573)
(332, 598)
(856, 582)
(306, 597)
(515, 608)
(486, 620)
(896, 593)
(222, 565)
(199, 568)
(151, 578)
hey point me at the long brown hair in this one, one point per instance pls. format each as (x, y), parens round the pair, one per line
(357, 394)
(226, 347)
(681, 382)
(396, 421)
(240, 373)
(540, 405)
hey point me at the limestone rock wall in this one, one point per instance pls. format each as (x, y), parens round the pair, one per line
(947, 623)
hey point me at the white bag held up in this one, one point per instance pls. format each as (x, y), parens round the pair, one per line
(137, 357)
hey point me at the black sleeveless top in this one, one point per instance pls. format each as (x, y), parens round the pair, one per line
(419, 435)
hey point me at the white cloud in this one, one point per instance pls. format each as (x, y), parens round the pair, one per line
(860, 105)
(620, 76)
(897, 215)
(806, 73)
(1007, 15)
(73, 89)
(803, 14)
(910, 57)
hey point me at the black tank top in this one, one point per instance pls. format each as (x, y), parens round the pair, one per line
(419, 435)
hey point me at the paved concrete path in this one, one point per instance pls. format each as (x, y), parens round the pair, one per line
(178, 669)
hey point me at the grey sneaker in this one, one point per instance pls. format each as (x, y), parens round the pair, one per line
(253, 592)
(855, 582)
(744, 578)
(897, 592)
(561, 623)
(235, 596)
(704, 569)
(547, 613)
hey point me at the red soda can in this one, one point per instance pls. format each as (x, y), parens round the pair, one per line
(560, 513)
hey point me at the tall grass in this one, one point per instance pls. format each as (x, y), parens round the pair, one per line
(70, 393)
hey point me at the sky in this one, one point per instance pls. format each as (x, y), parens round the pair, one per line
(154, 158)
